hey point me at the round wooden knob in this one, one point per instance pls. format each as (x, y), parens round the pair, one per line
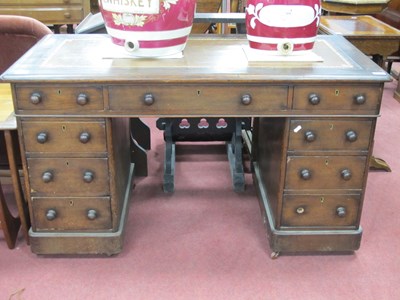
(148, 99)
(88, 177)
(42, 137)
(341, 211)
(246, 99)
(360, 99)
(67, 15)
(84, 137)
(351, 136)
(91, 214)
(305, 174)
(51, 214)
(345, 174)
(36, 98)
(82, 99)
(309, 136)
(314, 99)
(47, 176)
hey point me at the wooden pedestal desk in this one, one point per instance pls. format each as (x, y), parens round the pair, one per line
(312, 138)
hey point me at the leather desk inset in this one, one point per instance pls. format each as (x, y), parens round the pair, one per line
(312, 137)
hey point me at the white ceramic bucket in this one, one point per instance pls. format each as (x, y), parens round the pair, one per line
(282, 27)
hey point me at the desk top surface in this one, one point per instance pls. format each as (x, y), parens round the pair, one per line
(355, 7)
(92, 58)
(362, 26)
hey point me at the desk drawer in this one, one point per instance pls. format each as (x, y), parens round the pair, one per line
(62, 98)
(46, 11)
(42, 2)
(195, 100)
(65, 214)
(325, 172)
(69, 176)
(341, 98)
(64, 136)
(54, 15)
(320, 210)
(338, 135)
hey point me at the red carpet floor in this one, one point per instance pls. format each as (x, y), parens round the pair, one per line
(207, 242)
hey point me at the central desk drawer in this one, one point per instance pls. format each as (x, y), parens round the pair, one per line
(187, 100)
(71, 214)
(69, 176)
(325, 172)
(64, 136)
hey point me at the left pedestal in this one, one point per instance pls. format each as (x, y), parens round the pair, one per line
(79, 179)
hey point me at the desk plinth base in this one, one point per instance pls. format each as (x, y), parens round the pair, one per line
(108, 243)
(296, 241)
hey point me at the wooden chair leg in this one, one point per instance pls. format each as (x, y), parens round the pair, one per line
(18, 192)
(9, 224)
(396, 94)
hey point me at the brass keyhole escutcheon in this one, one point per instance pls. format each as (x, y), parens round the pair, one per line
(326, 162)
(337, 92)
(322, 199)
(198, 92)
(71, 202)
(64, 128)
